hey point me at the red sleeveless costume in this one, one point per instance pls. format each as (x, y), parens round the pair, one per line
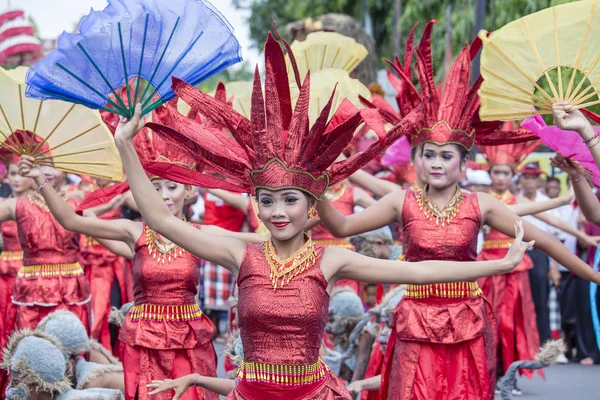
(281, 332)
(444, 334)
(510, 296)
(51, 276)
(344, 204)
(165, 334)
(101, 267)
(11, 261)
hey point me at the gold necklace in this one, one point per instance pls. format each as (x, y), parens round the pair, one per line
(431, 210)
(335, 193)
(282, 271)
(502, 197)
(160, 250)
(38, 199)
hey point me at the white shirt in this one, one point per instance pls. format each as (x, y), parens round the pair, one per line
(538, 223)
(569, 214)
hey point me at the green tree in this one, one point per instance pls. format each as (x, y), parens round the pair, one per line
(498, 13)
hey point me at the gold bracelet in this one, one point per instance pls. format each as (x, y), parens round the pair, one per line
(594, 144)
(580, 177)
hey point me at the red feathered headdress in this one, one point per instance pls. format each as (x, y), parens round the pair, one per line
(448, 117)
(276, 148)
(510, 154)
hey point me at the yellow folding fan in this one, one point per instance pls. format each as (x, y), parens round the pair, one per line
(68, 136)
(547, 57)
(322, 84)
(323, 50)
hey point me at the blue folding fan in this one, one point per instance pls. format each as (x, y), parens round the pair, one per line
(144, 42)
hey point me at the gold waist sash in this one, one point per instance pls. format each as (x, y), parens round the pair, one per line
(288, 375)
(444, 290)
(497, 244)
(12, 255)
(334, 243)
(50, 271)
(155, 312)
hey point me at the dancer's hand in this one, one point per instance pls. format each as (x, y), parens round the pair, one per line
(29, 169)
(517, 249)
(180, 385)
(128, 128)
(571, 167)
(569, 119)
(355, 388)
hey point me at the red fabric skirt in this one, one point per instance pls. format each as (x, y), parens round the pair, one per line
(30, 316)
(442, 349)
(331, 388)
(518, 337)
(7, 309)
(142, 365)
(373, 369)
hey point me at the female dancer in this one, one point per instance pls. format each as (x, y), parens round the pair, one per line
(283, 283)
(165, 334)
(11, 258)
(51, 277)
(444, 334)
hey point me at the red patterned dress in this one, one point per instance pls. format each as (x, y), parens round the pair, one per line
(510, 296)
(444, 334)
(51, 276)
(342, 199)
(11, 261)
(101, 267)
(165, 334)
(282, 330)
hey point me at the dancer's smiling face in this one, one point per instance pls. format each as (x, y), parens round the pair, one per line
(443, 164)
(284, 212)
(173, 194)
(501, 175)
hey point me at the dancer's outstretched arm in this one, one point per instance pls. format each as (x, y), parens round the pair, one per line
(120, 229)
(341, 263)
(382, 213)
(586, 199)
(220, 386)
(499, 217)
(525, 206)
(225, 251)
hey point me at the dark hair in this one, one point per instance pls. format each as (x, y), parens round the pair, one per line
(552, 179)
(464, 153)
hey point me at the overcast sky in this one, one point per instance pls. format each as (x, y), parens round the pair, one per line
(54, 16)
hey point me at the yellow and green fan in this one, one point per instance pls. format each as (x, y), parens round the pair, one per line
(547, 57)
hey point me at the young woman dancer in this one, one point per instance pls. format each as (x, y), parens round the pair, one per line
(284, 283)
(444, 335)
(165, 334)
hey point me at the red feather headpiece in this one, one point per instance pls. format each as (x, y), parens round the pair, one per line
(510, 154)
(276, 148)
(448, 117)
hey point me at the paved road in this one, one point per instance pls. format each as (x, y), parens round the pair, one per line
(563, 382)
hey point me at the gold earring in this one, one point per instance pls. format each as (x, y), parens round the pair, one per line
(312, 213)
(186, 197)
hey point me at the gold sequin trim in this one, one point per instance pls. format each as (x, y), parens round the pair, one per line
(154, 312)
(444, 290)
(50, 271)
(497, 244)
(431, 210)
(282, 271)
(15, 255)
(279, 374)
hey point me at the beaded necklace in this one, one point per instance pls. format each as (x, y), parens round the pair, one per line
(160, 250)
(282, 271)
(431, 210)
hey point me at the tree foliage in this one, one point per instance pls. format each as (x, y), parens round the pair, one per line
(462, 16)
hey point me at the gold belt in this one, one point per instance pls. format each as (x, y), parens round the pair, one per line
(12, 255)
(444, 290)
(497, 244)
(50, 271)
(155, 312)
(288, 375)
(334, 243)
